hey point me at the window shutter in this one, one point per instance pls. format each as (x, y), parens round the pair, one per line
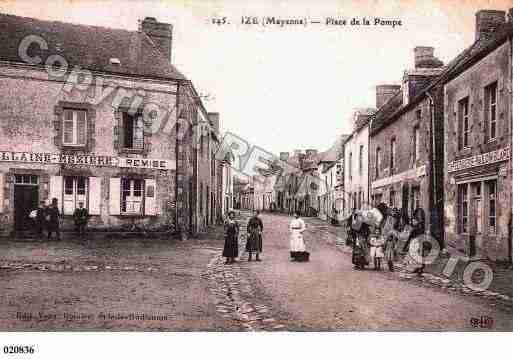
(114, 196)
(150, 200)
(2, 192)
(56, 190)
(95, 195)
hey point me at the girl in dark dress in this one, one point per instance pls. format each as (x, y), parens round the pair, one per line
(231, 239)
(254, 242)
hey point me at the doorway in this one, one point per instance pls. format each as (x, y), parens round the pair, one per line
(26, 197)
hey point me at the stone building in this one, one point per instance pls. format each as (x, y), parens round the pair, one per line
(206, 169)
(99, 116)
(227, 189)
(478, 119)
(406, 132)
(356, 146)
(295, 189)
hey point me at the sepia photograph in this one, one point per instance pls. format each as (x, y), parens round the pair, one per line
(288, 167)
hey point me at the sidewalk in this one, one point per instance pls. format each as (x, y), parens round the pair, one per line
(501, 287)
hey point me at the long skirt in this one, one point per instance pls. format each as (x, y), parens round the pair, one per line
(360, 257)
(231, 247)
(297, 244)
(390, 251)
(254, 243)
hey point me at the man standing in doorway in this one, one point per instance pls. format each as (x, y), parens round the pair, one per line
(81, 217)
(52, 219)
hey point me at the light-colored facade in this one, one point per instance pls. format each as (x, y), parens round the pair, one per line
(356, 176)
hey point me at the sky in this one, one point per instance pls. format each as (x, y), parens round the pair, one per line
(291, 87)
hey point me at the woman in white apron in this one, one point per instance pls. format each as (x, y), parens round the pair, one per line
(297, 245)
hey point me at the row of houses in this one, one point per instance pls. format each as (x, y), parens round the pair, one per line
(102, 116)
(440, 141)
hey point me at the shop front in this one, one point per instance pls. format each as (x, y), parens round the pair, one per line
(117, 191)
(478, 204)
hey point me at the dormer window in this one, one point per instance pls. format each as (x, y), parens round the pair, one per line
(114, 61)
(406, 93)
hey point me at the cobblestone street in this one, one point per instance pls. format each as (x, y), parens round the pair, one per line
(327, 294)
(73, 283)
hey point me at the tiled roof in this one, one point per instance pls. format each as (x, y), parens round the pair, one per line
(381, 118)
(460, 63)
(90, 47)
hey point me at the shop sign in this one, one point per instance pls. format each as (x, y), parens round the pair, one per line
(87, 160)
(411, 174)
(499, 155)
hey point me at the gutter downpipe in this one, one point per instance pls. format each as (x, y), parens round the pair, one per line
(433, 158)
(510, 244)
(368, 164)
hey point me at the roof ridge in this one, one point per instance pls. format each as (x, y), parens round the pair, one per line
(69, 23)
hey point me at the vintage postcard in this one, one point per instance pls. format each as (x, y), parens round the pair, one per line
(262, 166)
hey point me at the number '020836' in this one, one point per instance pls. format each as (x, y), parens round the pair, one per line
(18, 349)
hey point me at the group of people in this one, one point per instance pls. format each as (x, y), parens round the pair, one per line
(255, 230)
(47, 218)
(382, 241)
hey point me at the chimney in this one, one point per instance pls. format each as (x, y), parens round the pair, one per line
(384, 93)
(510, 15)
(284, 156)
(160, 33)
(311, 153)
(424, 57)
(213, 117)
(487, 22)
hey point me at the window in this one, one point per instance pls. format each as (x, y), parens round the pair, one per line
(391, 201)
(350, 164)
(492, 203)
(415, 200)
(478, 205)
(378, 161)
(392, 156)
(491, 110)
(201, 199)
(360, 161)
(26, 179)
(406, 93)
(416, 145)
(132, 196)
(133, 131)
(75, 191)
(463, 207)
(74, 127)
(463, 124)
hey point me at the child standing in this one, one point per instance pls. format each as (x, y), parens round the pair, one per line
(377, 242)
(390, 251)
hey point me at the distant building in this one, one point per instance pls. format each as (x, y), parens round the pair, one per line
(356, 146)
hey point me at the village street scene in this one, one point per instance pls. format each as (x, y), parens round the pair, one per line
(129, 203)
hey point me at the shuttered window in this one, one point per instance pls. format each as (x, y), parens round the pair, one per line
(74, 127)
(491, 110)
(133, 131)
(132, 196)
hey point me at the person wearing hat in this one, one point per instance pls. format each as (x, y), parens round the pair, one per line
(81, 217)
(52, 219)
(231, 239)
